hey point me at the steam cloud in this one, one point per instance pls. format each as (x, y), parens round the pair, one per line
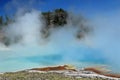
(26, 41)
(106, 37)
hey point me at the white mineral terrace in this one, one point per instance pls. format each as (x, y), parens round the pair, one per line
(78, 74)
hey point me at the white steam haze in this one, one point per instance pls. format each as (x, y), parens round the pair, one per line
(102, 46)
(27, 26)
(107, 36)
(62, 43)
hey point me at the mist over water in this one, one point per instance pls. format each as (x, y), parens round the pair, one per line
(32, 50)
(99, 47)
(106, 37)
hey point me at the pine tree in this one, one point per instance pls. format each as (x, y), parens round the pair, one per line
(8, 20)
(1, 20)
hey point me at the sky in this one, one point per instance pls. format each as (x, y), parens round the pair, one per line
(83, 6)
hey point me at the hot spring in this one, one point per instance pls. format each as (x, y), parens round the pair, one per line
(101, 47)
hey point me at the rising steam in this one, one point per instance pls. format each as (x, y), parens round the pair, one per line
(23, 38)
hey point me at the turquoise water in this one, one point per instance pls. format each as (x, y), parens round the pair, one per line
(30, 57)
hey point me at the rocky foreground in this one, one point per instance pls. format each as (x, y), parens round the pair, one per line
(59, 73)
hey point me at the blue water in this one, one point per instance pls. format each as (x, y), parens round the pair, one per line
(24, 58)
